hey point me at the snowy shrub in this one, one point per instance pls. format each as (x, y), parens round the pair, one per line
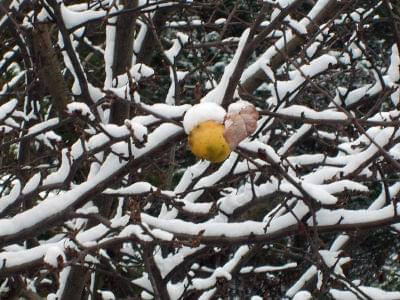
(101, 199)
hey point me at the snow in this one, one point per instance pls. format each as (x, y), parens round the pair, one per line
(48, 253)
(138, 42)
(325, 176)
(221, 272)
(312, 49)
(200, 283)
(76, 88)
(346, 216)
(58, 203)
(190, 174)
(7, 56)
(114, 131)
(81, 108)
(230, 202)
(106, 295)
(162, 235)
(11, 122)
(393, 71)
(97, 140)
(303, 130)
(139, 131)
(9, 199)
(394, 74)
(166, 265)
(193, 22)
(32, 184)
(120, 221)
(176, 290)
(109, 50)
(170, 98)
(372, 292)
(306, 159)
(54, 255)
(146, 296)
(343, 185)
(298, 77)
(279, 45)
(355, 95)
(264, 269)
(74, 18)
(95, 94)
(257, 147)
(42, 126)
(296, 25)
(166, 111)
(134, 189)
(14, 258)
(122, 92)
(355, 160)
(176, 48)
(4, 129)
(215, 229)
(62, 173)
(341, 240)
(318, 193)
(139, 71)
(284, 3)
(220, 21)
(217, 94)
(308, 275)
(202, 112)
(143, 282)
(135, 230)
(92, 234)
(11, 83)
(77, 149)
(303, 111)
(302, 295)
(210, 229)
(202, 184)
(332, 259)
(7, 108)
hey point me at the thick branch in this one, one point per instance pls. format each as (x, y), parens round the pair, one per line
(251, 46)
(49, 68)
(222, 240)
(251, 83)
(58, 217)
(122, 61)
(71, 51)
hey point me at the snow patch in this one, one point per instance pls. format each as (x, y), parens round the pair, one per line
(202, 112)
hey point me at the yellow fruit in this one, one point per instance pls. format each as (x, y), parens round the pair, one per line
(207, 141)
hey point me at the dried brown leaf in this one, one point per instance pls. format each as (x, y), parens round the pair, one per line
(240, 125)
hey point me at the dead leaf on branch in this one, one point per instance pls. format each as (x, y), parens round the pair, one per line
(240, 124)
